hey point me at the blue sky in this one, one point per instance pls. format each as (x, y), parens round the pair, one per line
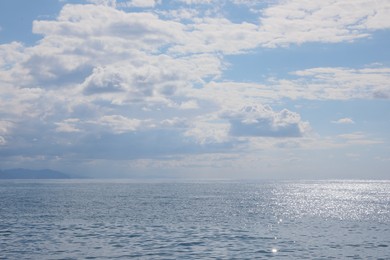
(196, 88)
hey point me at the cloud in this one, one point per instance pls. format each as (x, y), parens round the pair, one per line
(119, 124)
(207, 130)
(326, 83)
(345, 120)
(189, 2)
(5, 126)
(10, 55)
(263, 121)
(5, 130)
(103, 83)
(358, 138)
(104, 80)
(103, 2)
(287, 22)
(91, 22)
(191, 104)
(281, 24)
(148, 76)
(208, 35)
(175, 122)
(2, 140)
(143, 3)
(227, 95)
(298, 21)
(335, 84)
(68, 126)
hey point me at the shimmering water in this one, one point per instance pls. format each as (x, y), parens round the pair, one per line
(215, 220)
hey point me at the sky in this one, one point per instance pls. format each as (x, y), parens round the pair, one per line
(227, 89)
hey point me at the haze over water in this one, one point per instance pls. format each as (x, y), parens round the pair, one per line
(111, 219)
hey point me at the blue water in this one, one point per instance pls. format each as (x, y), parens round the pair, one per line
(86, 219)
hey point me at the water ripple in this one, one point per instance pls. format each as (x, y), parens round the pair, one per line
(285, 220)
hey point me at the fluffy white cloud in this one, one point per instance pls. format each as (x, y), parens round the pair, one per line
(91, 74)
(159, 76)
(279, 24)
(78, 62)
(17, 103)
(104, 24)
(263, 121)
(10, 54)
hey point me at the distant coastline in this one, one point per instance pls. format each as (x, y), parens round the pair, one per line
(21, 173)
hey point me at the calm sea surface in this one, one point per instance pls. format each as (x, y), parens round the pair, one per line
(86, 219)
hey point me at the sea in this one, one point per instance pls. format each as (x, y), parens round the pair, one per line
(125, 219)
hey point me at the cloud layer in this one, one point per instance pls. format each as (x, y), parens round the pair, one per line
(127, 80)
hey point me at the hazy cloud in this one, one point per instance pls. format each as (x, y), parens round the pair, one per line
(344, 120)
(195, 1)
(68, 126)
(2, 140)
(103, 2)
(119, 124)
(336, 83)
(5, 126)
(359, 138)
(139, 3)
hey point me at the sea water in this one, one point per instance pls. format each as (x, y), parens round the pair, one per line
(115, 219)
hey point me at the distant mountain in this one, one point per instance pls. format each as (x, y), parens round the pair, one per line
(32, 174)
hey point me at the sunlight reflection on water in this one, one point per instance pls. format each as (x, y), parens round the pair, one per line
(94, 219)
